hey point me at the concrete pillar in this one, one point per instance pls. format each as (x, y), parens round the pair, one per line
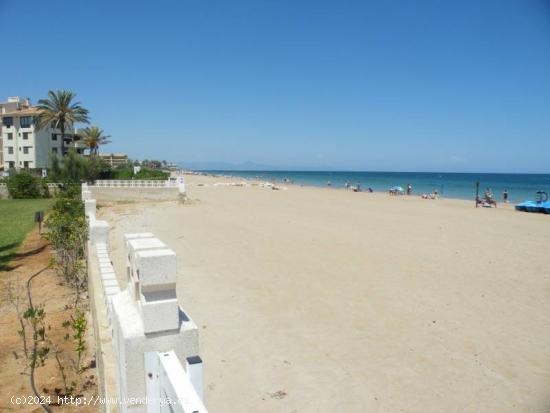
(158, 305)
(194, 372)
(181, 185)
(152, 324)
(99, 232)
(89, 209)
(133, 246)
(182, 194)
(128, 237)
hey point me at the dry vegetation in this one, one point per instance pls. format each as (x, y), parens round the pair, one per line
(57, 298)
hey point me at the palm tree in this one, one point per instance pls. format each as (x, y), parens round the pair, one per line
(61, 112)
(93, 137)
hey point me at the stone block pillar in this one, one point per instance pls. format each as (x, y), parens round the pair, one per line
(99, 232)
(158, 305)
(148, 320)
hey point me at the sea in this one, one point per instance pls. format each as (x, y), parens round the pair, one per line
(520, 187)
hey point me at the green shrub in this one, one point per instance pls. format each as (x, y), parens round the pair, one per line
(77, 168)
(24, 186)
(67, 233)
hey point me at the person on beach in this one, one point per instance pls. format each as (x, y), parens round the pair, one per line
(409, 189)
(505, 196)
(329, 183)
(488, 198)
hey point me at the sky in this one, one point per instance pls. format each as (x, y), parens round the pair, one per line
(422, 85)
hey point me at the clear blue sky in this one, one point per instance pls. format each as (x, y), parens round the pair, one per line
(396, 85)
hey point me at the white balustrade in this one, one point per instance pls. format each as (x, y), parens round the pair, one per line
(136, 183)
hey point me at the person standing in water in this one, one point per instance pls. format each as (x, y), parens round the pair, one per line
(409, 189)
(505, 196)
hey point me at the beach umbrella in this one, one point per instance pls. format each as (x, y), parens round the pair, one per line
(396, 188)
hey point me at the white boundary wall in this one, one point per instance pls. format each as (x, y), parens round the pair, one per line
(145, 340)
(135, 183)
(137, 189)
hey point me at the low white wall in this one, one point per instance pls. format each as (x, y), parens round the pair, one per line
(140, 329)
(113, 194)
(137, 190)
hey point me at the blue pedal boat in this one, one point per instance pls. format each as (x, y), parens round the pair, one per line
(523, 205)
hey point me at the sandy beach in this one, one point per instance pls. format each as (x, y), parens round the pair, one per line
(324, 300)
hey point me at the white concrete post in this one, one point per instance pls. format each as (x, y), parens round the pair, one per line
(194, 372)
(99, 232)
(152, 378)
(181, 185)
(133, 246)
(153, 324)
(182, 194)
(175, 385)
(86, 195)
(89, 208)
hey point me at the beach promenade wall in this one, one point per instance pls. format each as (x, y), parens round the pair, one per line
(138, 190)
(147, 347)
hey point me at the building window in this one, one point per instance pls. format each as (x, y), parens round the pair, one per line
(25, 121)
(10, 136)
(10, 150)
(7, 121)
(54, 137)
(25, 135)
(11, 164)
(26, 164)
(54, 150)
(26, 149)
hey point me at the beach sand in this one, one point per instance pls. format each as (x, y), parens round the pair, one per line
(324, 300)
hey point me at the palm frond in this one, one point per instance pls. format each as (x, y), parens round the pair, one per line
(93, 137)
(60, 110)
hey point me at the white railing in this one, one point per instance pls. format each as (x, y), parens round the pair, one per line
(171, 388)
(135, 183)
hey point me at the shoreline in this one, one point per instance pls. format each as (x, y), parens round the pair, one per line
(520, 187)
(256, 181)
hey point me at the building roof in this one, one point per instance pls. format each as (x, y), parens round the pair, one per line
(113, 155)
(33, 111)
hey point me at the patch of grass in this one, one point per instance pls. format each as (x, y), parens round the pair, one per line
(16, 221)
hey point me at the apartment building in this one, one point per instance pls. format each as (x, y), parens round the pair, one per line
(11, 104)
(23, 145)
(115, 159)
